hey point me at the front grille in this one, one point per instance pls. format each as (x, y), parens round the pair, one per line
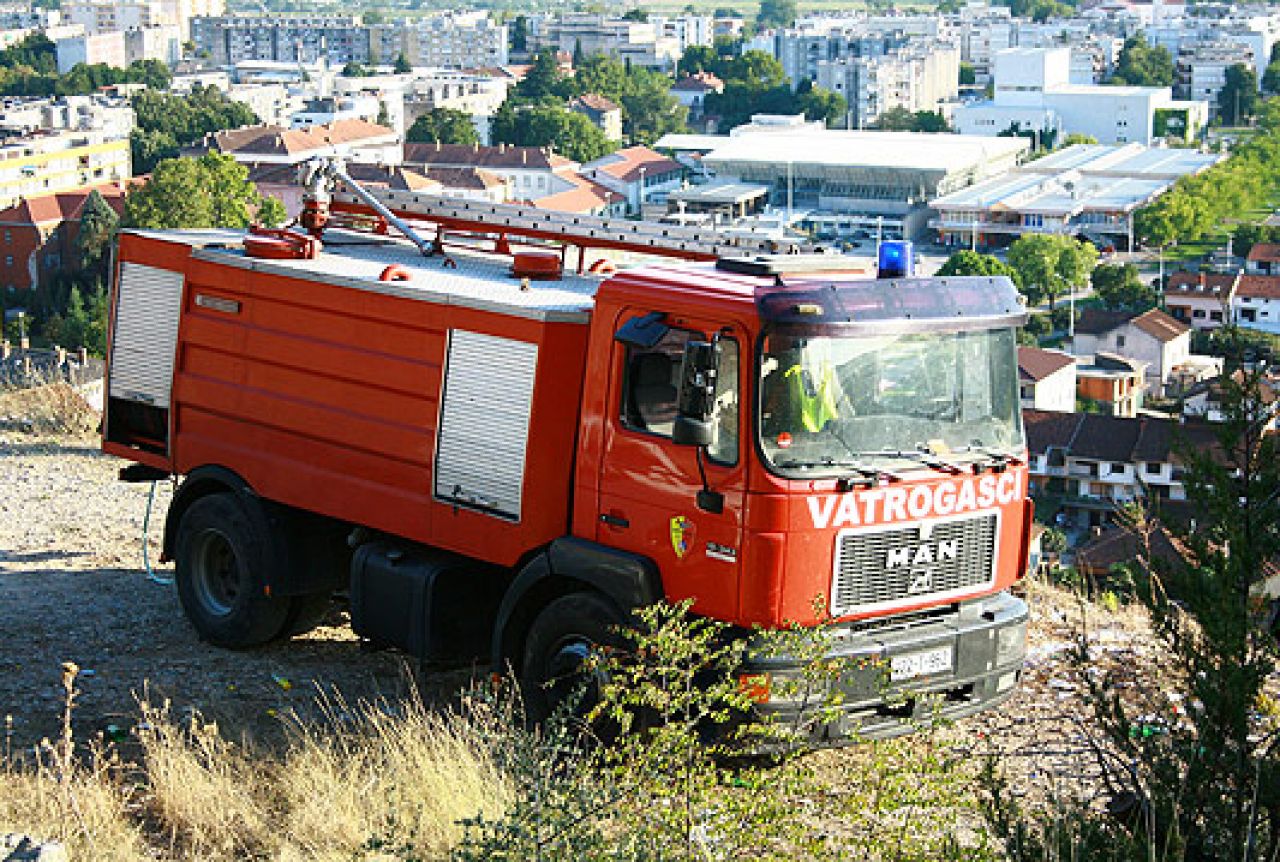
(877, 568)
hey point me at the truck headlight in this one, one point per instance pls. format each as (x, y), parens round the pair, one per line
(1011, 643)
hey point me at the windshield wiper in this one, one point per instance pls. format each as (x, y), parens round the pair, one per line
(921, 456)
(998, 458)
(863, 473)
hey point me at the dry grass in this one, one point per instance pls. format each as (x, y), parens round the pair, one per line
(52, 408)
(91, 814)
(366, 781)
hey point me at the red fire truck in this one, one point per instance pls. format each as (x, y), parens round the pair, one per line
(500, 455)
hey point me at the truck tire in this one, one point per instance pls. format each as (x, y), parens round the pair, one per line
(561, 638)
(219, 569)
(306, 613)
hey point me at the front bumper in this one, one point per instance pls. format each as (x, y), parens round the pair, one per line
(856, 699)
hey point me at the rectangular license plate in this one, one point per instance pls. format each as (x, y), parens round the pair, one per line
(927, 663)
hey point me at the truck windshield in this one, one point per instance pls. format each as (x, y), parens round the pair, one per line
(832, 403)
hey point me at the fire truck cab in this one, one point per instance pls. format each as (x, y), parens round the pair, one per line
(493, 464)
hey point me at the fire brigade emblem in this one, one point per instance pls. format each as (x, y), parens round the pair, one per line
(681, 535)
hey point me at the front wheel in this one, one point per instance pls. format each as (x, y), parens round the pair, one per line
(220, 573)
(561, 640)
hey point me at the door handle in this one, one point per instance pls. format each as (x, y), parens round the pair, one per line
(615, 521)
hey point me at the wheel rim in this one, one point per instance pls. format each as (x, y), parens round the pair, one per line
(215, 573)
(565, 670)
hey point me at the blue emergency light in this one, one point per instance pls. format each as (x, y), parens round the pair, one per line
(895, 259)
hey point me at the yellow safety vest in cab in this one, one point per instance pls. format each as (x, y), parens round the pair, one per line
(817, 404)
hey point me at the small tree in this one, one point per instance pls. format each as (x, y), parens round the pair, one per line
(1120, 287)
(98, 225)
(1238, 98)
(402, 66)
(211, 191)
(446, 125)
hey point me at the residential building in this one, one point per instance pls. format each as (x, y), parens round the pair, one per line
(1084, 190)
(91, 49)
(1206, 400)
(585, 197)
(38, 235)
(837, 182)
(1033, 92)
(1201, 299)
(1114, 383)
(1256, 303)
(105, 16)
(533, 172)
(1263, 259)
(232, 39)
(108, 115)
(603, 114)
(53, 161)
(644, 43)
(357, 140)
(1091, 464)
(1152, 337)
(1046, 379)
(916, 77)
(639, 174)
(457, 40)
(692, 91)
(327, 110)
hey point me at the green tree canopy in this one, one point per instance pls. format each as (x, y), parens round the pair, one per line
(1078, 138)
(355, 70)
(966, 262)
(1049, 265)
(211, 191)
(543, 79)
(446, 125)
(1121, 288)
(165, 122)
(899, 119)
(1141, 64)
(402, 66)
(776, 13)
(968, 77)
(550, 125)
(518, 34)
(98, 225)
(1238, 98)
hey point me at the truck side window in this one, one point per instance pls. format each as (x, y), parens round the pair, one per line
(652, 379)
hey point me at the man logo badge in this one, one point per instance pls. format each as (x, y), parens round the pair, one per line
(922, 558)
(921, 582)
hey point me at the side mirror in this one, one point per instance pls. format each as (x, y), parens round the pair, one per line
(696, 398)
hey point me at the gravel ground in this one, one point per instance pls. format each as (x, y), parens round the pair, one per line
(73, 588)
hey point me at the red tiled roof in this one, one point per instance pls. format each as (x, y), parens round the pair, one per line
(627, 164)
(1259, 286)
(699, 82)
(1208, 285)
(1036, 364)
(588, 197)
(595, 102)
(1264, 251)
(60, 206)
(435, 155)
(277, 140)
(1160, 326)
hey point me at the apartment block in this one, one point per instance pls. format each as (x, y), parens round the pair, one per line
(56, 161)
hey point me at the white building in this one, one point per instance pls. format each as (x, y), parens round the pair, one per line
(1086, 189)
(110, 116)
(1046, 379)
(1256, 303)
(1033, 92)
(458, 40)
(1201, 299)
(90, 49)
(838, 182)
(913, 79)
(1152, 337)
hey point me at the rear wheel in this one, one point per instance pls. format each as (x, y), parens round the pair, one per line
(220, 572)
(560, 642)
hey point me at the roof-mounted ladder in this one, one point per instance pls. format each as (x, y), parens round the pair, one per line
(327, 180)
